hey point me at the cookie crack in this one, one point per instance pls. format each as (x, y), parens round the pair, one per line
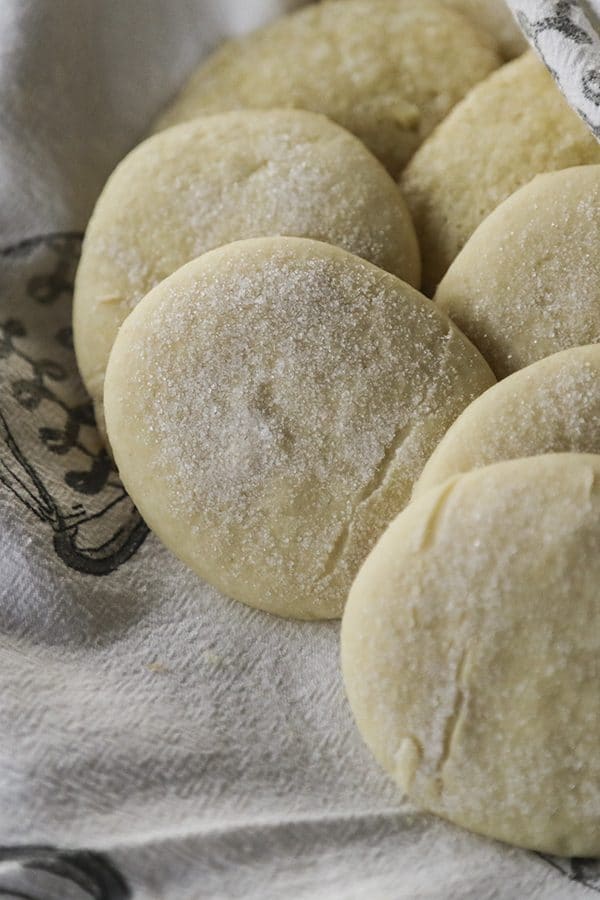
(380, 473)
(429, 530)
(376, 481)
(453, 720)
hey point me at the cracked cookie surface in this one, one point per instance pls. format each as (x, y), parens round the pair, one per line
(270, 406)
(470, 651)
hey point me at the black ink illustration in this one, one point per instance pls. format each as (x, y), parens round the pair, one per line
(93, 873)
(562, 21)
(583, 871)
(51, 458)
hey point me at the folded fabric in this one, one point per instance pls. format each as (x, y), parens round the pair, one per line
(566, 34)
(158, 740)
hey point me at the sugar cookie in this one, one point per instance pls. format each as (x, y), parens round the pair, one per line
(527, 284)
(270, 406)
(552, 406)
(471, 652)
(219, 179)
(512, 126)
(496, 19)
(378, 67)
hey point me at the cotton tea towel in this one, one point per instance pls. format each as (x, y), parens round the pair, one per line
(566, 34)
(156, 739)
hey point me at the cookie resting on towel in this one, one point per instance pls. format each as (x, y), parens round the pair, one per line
(270, 406)
(471, 652)
(224, 178)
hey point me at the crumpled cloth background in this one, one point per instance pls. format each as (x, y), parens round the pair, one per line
(156, 739)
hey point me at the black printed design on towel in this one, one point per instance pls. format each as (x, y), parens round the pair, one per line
(22, 871)
(51, 458)
(583, 871)
(590, 84)
(562, 21)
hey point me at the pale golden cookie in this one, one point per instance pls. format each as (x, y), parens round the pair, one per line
(495, 18)
(552, 406)
(471, 652)
(219, 179)
(387, 70)
(511, 127)
(270, 406)
(527, 283)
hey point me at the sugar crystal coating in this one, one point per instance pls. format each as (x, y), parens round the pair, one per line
(270, 406)
(219, 179)
(471, 651)
(377, 67)
(526, 285)
(509, 128)
(552, 406)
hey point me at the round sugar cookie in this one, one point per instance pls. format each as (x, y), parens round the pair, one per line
(527, 284)
(496, 19)
(219, 179)
(270, 405)
(552, 406)
(511, 127)
(378, 67)
(471, 652)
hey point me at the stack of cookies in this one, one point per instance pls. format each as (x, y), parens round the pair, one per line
(315, 437)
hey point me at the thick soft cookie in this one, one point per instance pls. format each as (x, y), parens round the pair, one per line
(511, 127)
(270, 406)
(552, 406)
(527, 284)
(387, 70)
(471, 652)
(219, 179)
(497, 20)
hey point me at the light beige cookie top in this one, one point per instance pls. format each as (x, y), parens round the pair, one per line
(270, 406)
(471, 652)
(527, 283)
(378, 67)
(219, 179)
(552, 406)
(511, 127)
(496, 19)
